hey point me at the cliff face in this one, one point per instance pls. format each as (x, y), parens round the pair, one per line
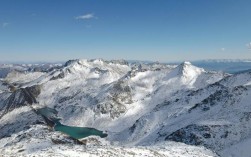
(19, 98)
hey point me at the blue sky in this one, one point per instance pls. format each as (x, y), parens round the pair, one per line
(158, 30)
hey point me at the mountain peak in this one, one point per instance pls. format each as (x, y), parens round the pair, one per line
(186, 63)
(187, 67)
(186, 70)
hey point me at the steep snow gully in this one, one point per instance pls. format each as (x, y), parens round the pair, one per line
(145, 109)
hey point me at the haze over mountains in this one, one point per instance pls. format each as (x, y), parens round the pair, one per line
(224, 65)
(152, 108)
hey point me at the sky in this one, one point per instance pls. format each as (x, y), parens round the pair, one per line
(154, 30)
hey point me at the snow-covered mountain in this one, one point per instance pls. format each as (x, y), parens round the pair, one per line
(5, 69)
(157, 109)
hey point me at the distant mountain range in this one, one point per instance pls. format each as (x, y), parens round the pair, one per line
(225, 65)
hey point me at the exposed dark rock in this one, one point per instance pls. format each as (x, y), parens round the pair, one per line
(187, 135)
(99, 71)
(205, 105)
(132, 128)
(121, 62)
(159, 106)
(246, 116)
(63, 99)
(200, 135)
(114, 109)
(70, 62)
(25, 120)
(207, 135)
(119, 94)
(66, 140)
(59, 76)
(21, 97)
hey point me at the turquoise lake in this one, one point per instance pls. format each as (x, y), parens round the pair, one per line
(73, 131)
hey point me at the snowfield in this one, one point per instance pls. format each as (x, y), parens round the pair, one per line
(146, 109)
(39, 141)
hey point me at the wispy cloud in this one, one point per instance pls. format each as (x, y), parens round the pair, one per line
(5, 24)
(85, 17)
(249, 46)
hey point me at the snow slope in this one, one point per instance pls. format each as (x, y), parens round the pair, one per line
(39, 141)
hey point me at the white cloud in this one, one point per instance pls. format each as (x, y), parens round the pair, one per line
(85, 17)
(249, 46)
(5, 24)
(223, 49)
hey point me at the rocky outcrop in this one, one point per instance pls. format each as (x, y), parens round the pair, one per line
(114, 104)
(211, 136)
(20, 121)
(20, 97)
